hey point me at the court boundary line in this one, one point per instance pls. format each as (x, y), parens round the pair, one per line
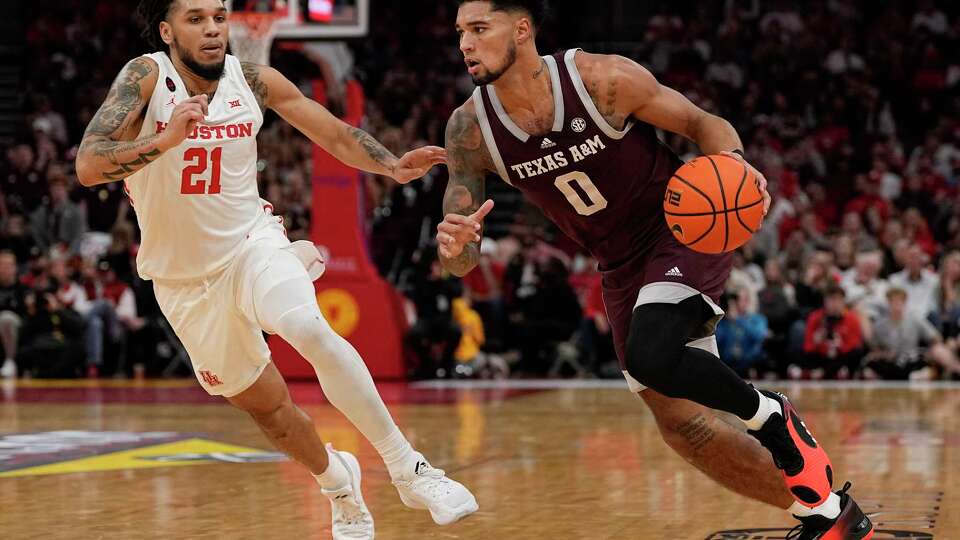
(620, 384)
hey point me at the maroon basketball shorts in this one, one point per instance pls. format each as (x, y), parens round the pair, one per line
(668, 272)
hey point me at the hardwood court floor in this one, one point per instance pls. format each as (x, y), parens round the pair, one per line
(546, 464)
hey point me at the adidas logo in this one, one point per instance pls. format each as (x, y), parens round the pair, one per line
(547, 143)
(674, 272)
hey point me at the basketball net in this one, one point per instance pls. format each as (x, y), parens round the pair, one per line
(251, 35)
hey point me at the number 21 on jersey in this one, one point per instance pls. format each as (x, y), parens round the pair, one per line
(197, 164)
(590, 201)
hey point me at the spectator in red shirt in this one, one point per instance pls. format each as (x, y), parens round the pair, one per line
(918, 232)
(823, 205)
(595, 339)
(833, 343)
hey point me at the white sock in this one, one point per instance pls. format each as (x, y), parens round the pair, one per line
(830, 509)
(336, 475)
(398, 455)
(768, 406)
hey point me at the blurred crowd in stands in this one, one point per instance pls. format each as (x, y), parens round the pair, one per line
(851, 109)
(71, 303)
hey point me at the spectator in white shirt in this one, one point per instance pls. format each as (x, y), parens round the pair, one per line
(865, 290)
(930, 18)
(920, 284)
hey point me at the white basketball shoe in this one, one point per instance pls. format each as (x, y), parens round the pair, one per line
(351, 519)
(429, 489)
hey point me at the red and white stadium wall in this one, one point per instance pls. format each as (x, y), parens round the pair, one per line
(360, 306)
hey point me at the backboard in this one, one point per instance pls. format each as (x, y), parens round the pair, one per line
(312, 19)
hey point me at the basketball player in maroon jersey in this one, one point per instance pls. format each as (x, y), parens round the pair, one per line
(575, 133)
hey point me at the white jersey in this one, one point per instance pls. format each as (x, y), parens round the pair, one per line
(198, 201)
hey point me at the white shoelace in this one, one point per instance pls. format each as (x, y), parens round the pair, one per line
(438, 489)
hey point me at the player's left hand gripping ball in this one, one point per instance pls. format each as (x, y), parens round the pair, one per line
(415, 163)
(761, 180)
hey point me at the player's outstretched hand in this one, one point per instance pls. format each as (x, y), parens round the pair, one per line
(415, 163)
(456, 231)
(760, 178)
(184, 118)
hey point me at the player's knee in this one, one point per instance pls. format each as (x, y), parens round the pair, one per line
(8, 322)
(309, 333)
(275, 419)
(654, 346)
(95, 324)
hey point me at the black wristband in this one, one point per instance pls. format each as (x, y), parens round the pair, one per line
(739, 151)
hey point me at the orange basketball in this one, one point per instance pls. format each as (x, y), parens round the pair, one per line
(713, 204)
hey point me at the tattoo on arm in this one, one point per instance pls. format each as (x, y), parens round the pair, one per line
(604, 94)
(122, 99)
(251, 72)
(373, 148)
(114, 118)
(468, 163)
(610, 107)
(697, 432)
(110, 149)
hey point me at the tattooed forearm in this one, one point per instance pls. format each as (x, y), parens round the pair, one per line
(462, 264)
(122, 158)
(459, 200)
(697, 432)
(102, 157)
(468, 163)
(251, 72)
(130, 167)
(110, 150)
(373, 148)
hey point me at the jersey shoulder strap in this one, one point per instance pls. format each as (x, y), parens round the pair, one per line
(483, 110)
(571, 80)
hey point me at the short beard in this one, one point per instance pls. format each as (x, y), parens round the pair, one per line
(209, 72)
(492, 76)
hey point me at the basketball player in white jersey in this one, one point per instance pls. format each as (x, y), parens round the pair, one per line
(179, 128)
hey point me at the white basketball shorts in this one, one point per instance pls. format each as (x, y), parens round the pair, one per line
(215, 316)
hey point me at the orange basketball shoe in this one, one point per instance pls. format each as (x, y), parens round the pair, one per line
(851, 524)
(806, 468)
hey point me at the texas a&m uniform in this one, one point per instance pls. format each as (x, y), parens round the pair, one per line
(604, 187)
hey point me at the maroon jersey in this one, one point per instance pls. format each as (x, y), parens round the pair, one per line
(604, 188)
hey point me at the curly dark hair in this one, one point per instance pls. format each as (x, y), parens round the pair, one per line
(537, 9)
(149, 15)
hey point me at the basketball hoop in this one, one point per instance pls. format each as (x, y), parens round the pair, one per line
(251, 35)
